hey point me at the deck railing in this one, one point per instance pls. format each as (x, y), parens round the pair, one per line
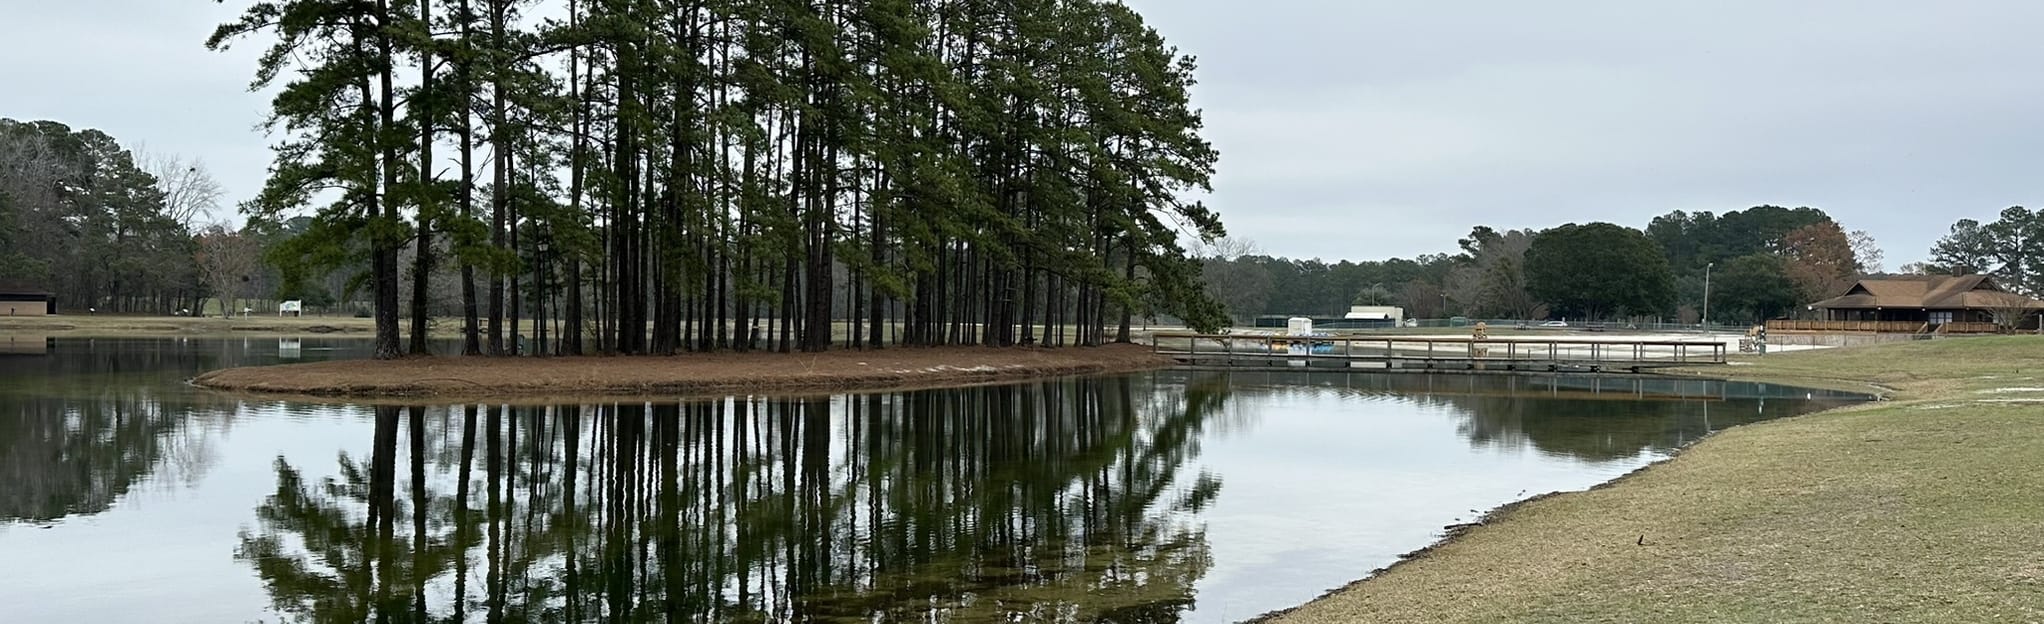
(1883, 327)
(1970, 328)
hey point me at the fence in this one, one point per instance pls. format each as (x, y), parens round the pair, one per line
(1466, 323)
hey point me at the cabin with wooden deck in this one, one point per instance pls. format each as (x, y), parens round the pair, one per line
(1946, 304)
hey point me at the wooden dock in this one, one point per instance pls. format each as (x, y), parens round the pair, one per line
(1394, 353)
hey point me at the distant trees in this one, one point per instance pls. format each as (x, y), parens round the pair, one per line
(1754, 288)
(1817, 260)
(230, 264)
(82, 216)
(1967, 250)
(1696, 240)
(1375, 295)
(1809, 257)
(190, 193)
(1314, 287)
(1490, 278)
(1867, 252)
(1599, 270)
(1693, 240)
(1243, 288)
(2011, 249)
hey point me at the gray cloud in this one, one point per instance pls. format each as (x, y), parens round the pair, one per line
(1370, 129)
(138, 70)
(1373, 129)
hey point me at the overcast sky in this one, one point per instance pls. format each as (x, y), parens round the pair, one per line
(1364, 130)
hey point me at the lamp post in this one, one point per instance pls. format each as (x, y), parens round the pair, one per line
(539, 315)
(1706, 297)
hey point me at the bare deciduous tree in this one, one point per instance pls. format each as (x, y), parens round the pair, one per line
(2012, 311)
(190, 194)
(1226, 248)
(228, 263)
(1866, 252)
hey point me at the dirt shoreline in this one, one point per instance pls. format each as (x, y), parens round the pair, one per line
(464, 378)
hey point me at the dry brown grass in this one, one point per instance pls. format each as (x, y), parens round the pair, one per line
(1927, 508)
(113, 325)
(457, 378)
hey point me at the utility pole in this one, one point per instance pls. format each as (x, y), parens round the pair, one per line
(1706, 297)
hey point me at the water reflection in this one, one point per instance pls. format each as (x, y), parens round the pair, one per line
(1097, 500)
(19, 344)
(1057, 501)
(78, 456)
(1584, 417)
(87, 420)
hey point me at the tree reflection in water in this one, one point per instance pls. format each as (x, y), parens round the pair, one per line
(87, 420)
(1583, 417)
(78, 455)
(1057, 501)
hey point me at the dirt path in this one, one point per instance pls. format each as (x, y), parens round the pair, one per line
(457, 378)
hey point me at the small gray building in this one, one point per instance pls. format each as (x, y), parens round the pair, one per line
(18, 298)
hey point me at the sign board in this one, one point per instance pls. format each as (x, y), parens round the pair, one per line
(294, 307)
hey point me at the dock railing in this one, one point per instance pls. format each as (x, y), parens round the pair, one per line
(1250, 349)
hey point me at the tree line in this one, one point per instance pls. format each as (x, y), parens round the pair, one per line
(110, 227)
(2010, 248)
(655, 177)
(1763, 262)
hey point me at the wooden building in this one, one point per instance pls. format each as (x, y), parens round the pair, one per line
(1924, 304)
(22, 299)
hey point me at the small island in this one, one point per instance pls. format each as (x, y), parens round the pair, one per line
(463, 378)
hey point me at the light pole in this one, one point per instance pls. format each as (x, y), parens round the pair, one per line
(1706, 297)
(539, 316)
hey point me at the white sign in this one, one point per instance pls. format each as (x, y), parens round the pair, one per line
(295, 307)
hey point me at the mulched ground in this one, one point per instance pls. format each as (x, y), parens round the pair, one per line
(452, 378)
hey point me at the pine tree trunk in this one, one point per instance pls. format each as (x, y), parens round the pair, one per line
(384, 241)
(500, 147)
(422, 262)
(471, 338)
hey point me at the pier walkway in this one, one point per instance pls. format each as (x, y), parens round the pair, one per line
(1434, 354)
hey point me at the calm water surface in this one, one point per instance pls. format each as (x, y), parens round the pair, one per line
(126, 496)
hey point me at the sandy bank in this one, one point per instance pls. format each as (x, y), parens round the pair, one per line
(454, 378)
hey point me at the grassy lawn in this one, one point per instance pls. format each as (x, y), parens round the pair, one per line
(1925, 508)
(126, 325)
(137, 325)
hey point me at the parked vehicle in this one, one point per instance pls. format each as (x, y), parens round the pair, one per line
(1554, 324)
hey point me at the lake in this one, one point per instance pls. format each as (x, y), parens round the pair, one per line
(1172, 496)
